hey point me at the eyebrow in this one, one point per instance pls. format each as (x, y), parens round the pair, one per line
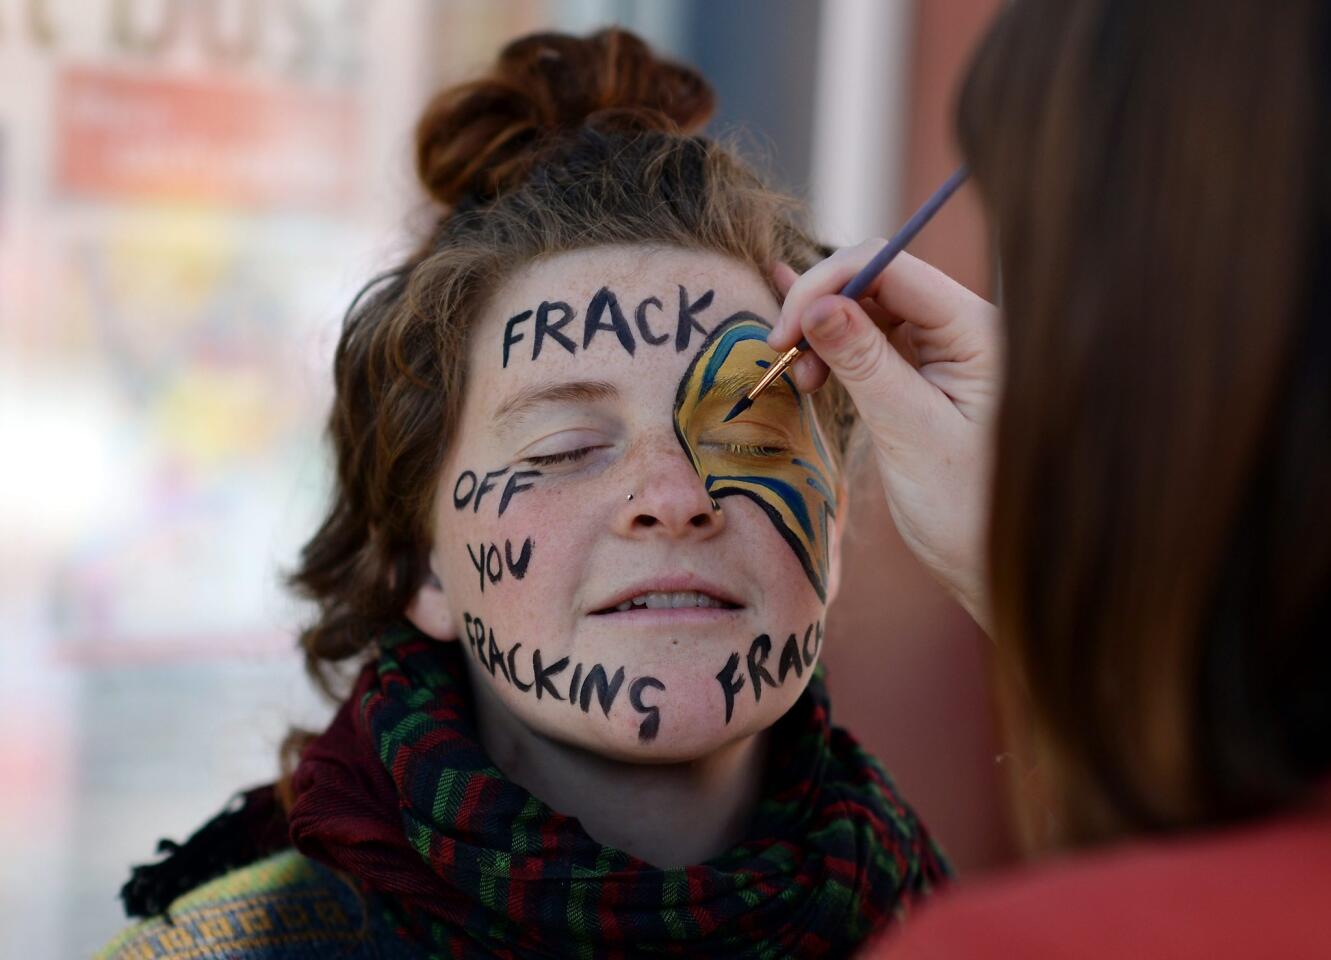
(735, 385)
(512, 411)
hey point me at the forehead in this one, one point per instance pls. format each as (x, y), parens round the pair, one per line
(612, 310)
(644, 270)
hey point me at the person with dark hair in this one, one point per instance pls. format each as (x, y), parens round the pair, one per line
(573, 619)
(1125, 478)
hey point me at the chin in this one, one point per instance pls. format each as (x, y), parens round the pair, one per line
(684, 746)
(690, 729)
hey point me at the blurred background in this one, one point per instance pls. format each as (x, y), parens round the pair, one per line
(190, 192)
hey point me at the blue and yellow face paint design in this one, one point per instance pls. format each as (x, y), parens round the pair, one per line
(773, 453)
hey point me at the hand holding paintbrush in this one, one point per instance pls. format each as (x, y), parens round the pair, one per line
(860, 282)
(927, 413)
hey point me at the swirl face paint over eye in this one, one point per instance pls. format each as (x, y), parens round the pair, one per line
(773, 454)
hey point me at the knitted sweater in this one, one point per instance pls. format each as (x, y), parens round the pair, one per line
(286, 907)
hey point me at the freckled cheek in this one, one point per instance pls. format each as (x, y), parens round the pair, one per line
(523, 568)
(784, 593)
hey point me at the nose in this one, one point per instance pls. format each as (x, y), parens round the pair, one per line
(669, 501)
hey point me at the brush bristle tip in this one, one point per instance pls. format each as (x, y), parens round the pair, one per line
(737, 409)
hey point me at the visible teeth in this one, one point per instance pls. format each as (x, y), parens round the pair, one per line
(666, 601)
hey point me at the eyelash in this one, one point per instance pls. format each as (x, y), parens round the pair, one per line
(736, 449)
(754, 450)
(550, 459)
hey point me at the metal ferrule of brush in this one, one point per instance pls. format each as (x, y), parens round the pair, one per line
(775, 370)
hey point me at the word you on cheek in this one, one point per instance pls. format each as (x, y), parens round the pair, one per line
(584, 686)
(796, 657)
(470, 489)
(549, 320)
(490, 563)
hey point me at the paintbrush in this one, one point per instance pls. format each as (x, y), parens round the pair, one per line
(860, 282)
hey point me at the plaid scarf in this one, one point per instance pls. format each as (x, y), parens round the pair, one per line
(400, 794)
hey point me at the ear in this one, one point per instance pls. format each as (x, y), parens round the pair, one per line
(834, 548)
(429, 609)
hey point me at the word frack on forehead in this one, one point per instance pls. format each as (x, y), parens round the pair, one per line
(549, 321)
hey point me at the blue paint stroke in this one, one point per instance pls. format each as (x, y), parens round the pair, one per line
(790, 496)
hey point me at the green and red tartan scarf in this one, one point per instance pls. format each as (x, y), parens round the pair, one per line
(400, 794)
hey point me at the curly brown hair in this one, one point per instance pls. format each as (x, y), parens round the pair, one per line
(568, 143)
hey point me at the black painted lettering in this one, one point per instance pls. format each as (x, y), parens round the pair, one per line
(811, 655)
(687, 323)
(645, 331)
(485, 486)
(478, 638)
(510, 337)
(790, 659)
(460, 500)
(478, 562)
(544, 673)
(651, 723)
(518, 570)
(490, 562)
(759, 650)
(605, 302)
(495, 656)
(544, 328)
(513, 669)
(573, 685)
(605, 690)
(515, 486)
(482, 653)
(731, 683)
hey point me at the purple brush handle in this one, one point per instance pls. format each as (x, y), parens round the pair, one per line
(860, 282)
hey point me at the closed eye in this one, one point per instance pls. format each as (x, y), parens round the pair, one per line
(566, 456)
(753, 449)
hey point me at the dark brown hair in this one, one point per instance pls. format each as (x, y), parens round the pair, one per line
(569, 143)
(1160, 547)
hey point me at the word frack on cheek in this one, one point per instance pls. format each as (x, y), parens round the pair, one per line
(548, 323)
(795, 657)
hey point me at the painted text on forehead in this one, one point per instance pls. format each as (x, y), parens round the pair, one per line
(671, 319)
(774, 455)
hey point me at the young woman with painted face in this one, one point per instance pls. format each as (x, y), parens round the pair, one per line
(587, 717)
(1141, 520)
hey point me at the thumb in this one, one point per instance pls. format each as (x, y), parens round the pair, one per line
(887, 391)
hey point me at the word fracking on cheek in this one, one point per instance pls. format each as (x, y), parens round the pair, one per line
(490, 563)
(470, 489)
(796, 657)
(585, 686)
(547, 323)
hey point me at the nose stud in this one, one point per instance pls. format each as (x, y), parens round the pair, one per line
(715, 504)
(629, 497)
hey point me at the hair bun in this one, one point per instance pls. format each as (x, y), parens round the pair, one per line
(482, 137)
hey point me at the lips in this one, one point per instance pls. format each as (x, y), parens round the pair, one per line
(670, 593)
